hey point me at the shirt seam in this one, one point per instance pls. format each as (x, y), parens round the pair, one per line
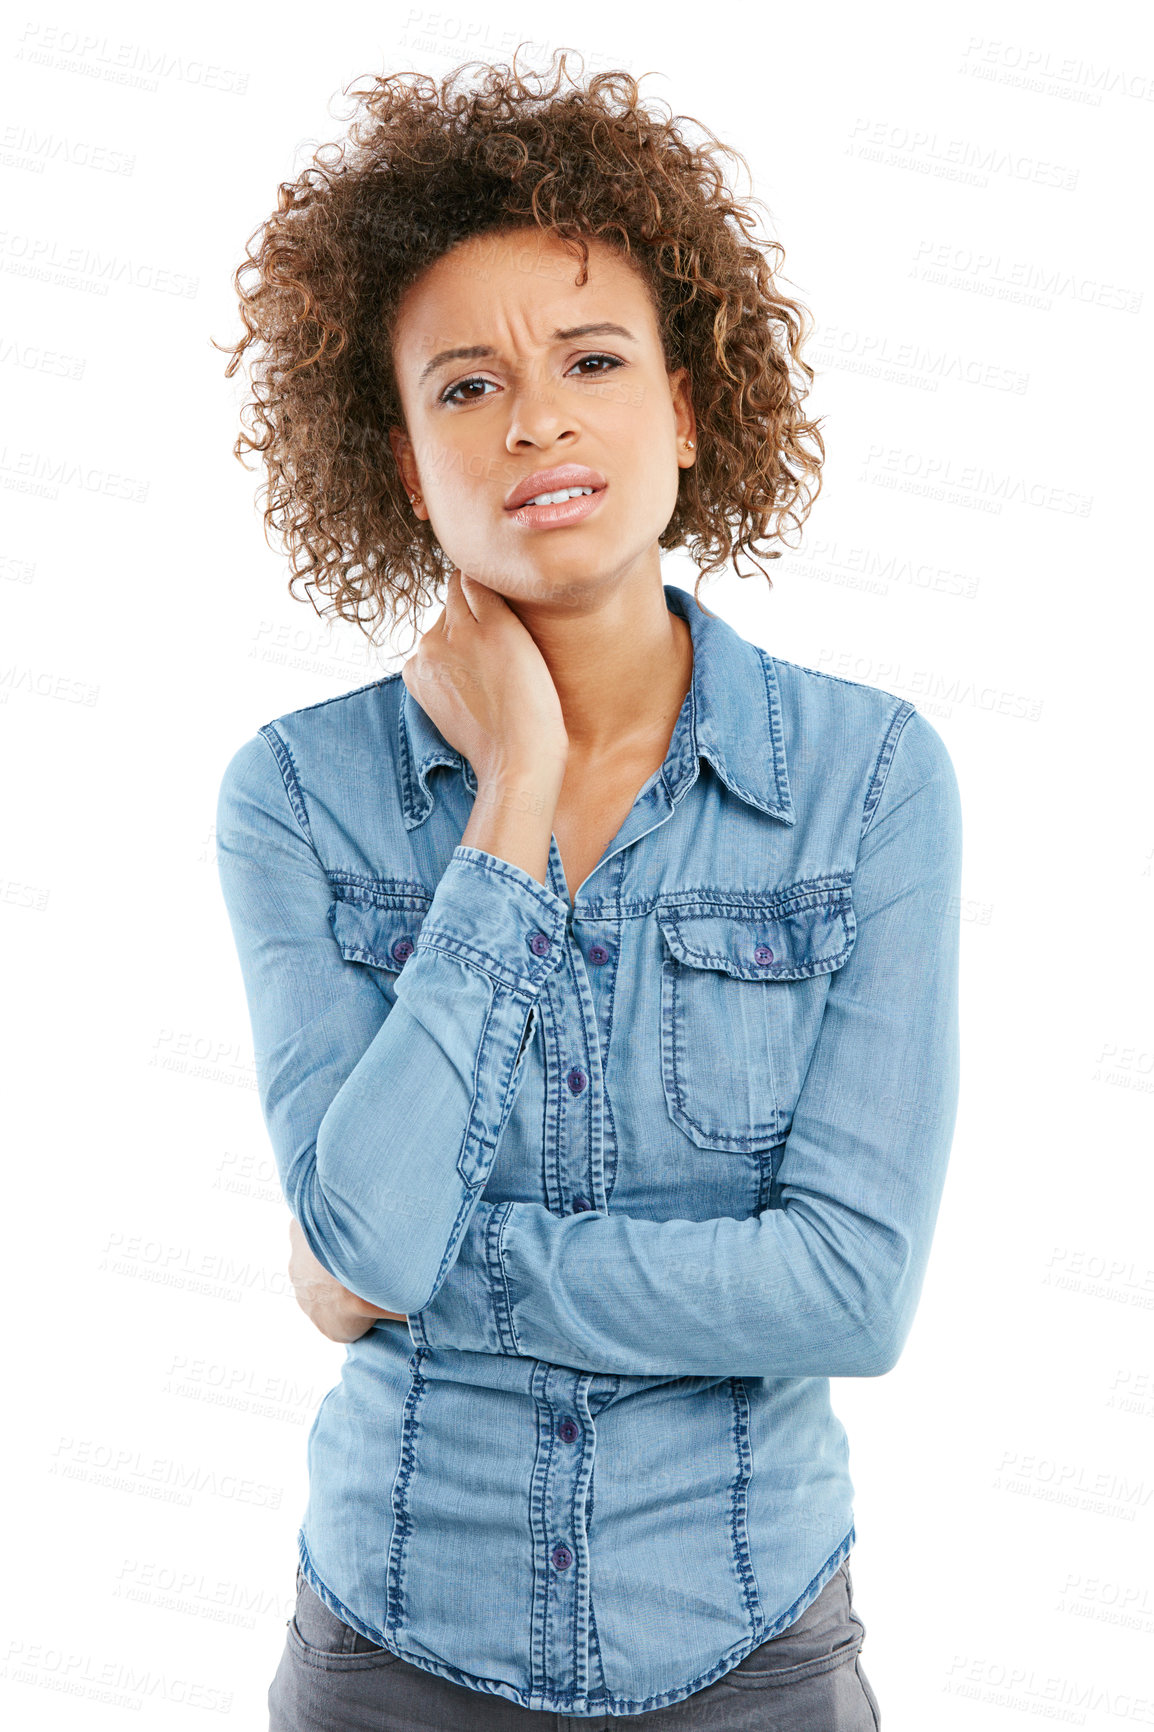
(291, 780)
(493, 968)
(498, 1278)
(465, 1211)
(549, 901)
(883, 761)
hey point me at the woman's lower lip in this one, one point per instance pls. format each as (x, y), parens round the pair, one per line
(556, 516)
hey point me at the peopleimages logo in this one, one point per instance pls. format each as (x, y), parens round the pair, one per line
(1026, 282)
(46, 258)
(923, 151)
(134, 64)
(1069, 77)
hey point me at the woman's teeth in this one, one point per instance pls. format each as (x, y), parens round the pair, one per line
(556, 498)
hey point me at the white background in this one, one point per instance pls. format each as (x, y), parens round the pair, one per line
(962, 195)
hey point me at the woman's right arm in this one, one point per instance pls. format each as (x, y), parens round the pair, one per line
(385, 1121)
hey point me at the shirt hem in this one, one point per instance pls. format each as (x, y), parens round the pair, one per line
(581, 1707)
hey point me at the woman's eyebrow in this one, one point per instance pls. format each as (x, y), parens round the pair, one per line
(480, 351)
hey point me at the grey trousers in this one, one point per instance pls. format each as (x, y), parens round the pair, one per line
(807, 1679)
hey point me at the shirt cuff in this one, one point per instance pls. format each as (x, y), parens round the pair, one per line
(469, 1311)
(498, 917)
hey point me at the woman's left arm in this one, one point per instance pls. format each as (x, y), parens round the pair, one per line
(827, 1284)
(338, 1312)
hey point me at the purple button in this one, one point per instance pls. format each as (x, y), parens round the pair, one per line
(568, 1429)
(562, 1557)
(580, 1203)
(577, 1079)
(540, 945)
(598, 954)
(402, 950)
(762, 955)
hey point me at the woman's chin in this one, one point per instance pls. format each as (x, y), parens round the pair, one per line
(548, 582)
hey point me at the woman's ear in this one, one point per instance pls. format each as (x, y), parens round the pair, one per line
(402, 449)
(684, 418)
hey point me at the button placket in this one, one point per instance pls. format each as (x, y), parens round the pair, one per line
(563, 1490)
(578, 1123)
(596, 953)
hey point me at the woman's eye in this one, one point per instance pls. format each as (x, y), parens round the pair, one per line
(449, 396)
(612, 360)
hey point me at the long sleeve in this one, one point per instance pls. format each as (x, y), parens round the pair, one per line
(826, 1284)
(384, 1120)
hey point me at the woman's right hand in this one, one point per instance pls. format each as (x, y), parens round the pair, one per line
(478, 674)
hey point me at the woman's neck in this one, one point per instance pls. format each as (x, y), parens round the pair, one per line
(621, 667)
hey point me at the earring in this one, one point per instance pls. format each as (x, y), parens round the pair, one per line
(691, 445)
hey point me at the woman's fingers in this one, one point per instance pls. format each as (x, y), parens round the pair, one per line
(411, 670)
(480, 677)
(467, 598)
(458, 608)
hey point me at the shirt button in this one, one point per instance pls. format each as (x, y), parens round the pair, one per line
(580, 1203)
(598, 954)
(402, 950)
(562, 1557)
(540, 945)
(568, 1429)
(577, 1079)
(762, 955)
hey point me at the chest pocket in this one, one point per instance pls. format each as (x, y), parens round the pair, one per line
(378, 927)
(743, 987)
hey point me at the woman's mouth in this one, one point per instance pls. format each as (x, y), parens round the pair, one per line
(553, 509)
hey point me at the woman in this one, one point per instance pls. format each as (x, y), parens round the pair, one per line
(602, 966)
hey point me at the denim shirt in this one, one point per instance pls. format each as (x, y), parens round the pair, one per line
(643, 1171)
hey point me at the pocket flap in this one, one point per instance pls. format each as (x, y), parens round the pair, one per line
(380, 930)
(791, 936)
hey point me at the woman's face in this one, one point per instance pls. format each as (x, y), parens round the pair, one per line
(538, 390)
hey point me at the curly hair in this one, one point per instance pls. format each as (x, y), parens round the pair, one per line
(424, 168)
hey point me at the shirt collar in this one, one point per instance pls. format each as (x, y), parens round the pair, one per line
(731, 717)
